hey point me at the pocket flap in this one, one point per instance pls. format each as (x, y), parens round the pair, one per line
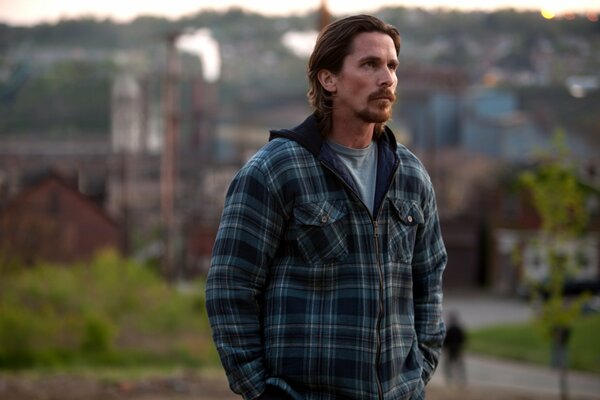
(319, 213)
(409, 212)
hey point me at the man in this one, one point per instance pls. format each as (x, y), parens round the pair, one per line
(454, 343)
(325, 280)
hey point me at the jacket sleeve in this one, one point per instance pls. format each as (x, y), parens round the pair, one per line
(429, 261)
(248, 236)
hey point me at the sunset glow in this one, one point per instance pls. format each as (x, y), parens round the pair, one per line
(548, 14)
(27, 12)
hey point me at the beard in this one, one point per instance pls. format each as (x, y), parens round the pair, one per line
(379, 107)
(376, 115)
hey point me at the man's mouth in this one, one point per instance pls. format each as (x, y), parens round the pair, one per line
(383, 95)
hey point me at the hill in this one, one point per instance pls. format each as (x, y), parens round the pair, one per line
(56, 78)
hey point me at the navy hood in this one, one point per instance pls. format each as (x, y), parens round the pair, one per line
(307, 134)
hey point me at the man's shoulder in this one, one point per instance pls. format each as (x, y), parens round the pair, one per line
(279, 155)
(405, 153)
(409, 159)
(279, 149)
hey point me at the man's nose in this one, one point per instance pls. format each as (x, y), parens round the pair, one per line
(388, 78)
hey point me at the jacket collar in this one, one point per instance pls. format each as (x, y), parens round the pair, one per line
(307, 134)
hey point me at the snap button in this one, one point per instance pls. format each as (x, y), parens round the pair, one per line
(409, 219)
(324, 218)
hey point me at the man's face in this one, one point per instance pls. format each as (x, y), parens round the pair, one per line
(365, 86)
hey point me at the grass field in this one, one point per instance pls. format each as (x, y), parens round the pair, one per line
(525, 342)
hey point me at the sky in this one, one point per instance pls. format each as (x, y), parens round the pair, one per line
(29, 12)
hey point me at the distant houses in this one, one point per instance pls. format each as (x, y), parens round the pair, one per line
(440, 110)
(518, 253)
(468, 136)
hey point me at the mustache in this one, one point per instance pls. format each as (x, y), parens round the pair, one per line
(383, 93)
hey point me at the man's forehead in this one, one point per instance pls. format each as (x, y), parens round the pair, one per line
(375, 43)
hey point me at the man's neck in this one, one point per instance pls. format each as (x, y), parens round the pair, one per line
(353, 135)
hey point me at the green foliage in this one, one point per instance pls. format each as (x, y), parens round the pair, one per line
(560, 202)
(110, 311)
(98, 335)
(556, 194)
(16, 337)
(522, 342)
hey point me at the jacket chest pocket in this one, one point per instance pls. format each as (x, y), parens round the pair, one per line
(406, 216)
(320, 231)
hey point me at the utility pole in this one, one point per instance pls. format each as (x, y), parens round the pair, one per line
(324, 15)
(168, 179)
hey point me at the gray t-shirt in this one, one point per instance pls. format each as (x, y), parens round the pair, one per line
(362, 165)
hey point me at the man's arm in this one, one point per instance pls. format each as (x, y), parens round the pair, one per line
(248, 236)
(429, 261)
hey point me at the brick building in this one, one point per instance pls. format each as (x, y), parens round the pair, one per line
(52, 221)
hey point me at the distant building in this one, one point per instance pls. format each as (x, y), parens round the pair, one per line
(439, 111)
(127, 115)
(136, 115)
(492, 125)
(24, 159)
(463, 183)
(519, 254)
(429, 105)
(52, 221)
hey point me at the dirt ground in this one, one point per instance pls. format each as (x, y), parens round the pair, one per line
(184, 386)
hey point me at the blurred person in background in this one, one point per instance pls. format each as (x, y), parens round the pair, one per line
(326, 274)
(454, 343)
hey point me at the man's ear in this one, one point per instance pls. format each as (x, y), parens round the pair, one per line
(327, 80)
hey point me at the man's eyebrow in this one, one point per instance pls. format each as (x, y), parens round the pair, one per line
(378, 59)
(370, 58)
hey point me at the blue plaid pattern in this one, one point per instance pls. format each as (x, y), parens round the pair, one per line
(309, 292)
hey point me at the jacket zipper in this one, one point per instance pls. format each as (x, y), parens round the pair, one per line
(379, 272)
(379, 314)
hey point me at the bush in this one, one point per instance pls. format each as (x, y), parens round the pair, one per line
(16, 338)
(98, 335)
(108, 311)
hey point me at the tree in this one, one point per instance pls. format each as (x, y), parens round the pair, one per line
(560, 201)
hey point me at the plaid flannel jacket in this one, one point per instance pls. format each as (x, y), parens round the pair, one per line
(309, 292)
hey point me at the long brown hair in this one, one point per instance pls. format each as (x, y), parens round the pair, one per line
(334, 43)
